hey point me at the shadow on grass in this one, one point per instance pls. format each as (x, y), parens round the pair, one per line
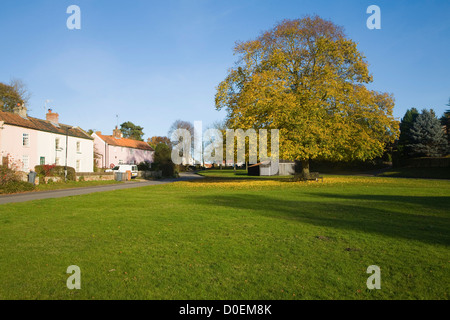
(242, 178)
(434, 203)
(360, 215)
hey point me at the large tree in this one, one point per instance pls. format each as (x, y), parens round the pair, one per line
(427, 135)
(132, 131)
(307, 79)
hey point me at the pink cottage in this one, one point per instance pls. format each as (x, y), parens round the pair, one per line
(115, 149)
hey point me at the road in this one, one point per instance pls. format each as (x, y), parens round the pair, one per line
(29, 196)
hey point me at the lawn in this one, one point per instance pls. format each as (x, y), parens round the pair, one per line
(432, 173)
(225, 238)
(74, 184)
(238, 174)
(57, 186)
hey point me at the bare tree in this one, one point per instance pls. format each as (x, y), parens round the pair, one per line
(21, 88)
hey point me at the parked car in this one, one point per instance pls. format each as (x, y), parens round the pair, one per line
(124, 168)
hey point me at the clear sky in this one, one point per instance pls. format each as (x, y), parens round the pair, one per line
(153, 62)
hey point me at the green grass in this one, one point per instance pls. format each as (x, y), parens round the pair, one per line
(222, 238)
(431, 173)
(56, 186)
(73, 184)
(238, 174)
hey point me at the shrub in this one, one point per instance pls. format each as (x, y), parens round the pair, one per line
(10, 181)
(55, 171)
(8, 175)
(163, 160)
(144, 166)
(167, 168)
(182, 168)
(16, 186)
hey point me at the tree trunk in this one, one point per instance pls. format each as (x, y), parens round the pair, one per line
(305, 168)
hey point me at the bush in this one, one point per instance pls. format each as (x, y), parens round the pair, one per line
(55, 171)
(144, 166)
(16, 186)
(181, 168)
(10, 181)
(167, 168)
(8, 175)
(163, 160)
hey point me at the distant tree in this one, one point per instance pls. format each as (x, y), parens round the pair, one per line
(163, 160)
(9, 98)
(180, 124)
(155, 140)
(445, 121)
(21, 88)
(13, 94)
(132, 131)
(428, 138)
(404, 139)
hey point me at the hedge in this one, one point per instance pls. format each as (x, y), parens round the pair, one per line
(16, 186)
(55, 171)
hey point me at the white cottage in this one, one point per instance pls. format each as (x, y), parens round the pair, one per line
(26, 142)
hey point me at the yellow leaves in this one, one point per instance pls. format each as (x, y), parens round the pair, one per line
(263, 184)
(306, 79)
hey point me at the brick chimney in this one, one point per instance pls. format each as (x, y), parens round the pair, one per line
(52, 117)
(117, 133)
(21, 110)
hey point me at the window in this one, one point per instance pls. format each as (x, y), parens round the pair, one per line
(26, 163)
(42, 161)
(26, 140)
(57, 144)
(78, 146)
(78, 165)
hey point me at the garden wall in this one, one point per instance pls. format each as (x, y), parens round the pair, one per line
(95, 176)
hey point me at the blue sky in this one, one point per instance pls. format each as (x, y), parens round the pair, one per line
(153, 62)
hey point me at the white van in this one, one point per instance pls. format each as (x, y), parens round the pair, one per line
(124, 168)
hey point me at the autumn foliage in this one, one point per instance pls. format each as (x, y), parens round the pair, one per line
(307, 79)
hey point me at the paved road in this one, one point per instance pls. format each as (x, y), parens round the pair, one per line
(22, 197)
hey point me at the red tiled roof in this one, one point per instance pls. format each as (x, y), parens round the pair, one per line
(125, 142)
(42, 125)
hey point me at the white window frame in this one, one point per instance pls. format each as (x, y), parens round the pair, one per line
(26, 162)
(26, 139)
